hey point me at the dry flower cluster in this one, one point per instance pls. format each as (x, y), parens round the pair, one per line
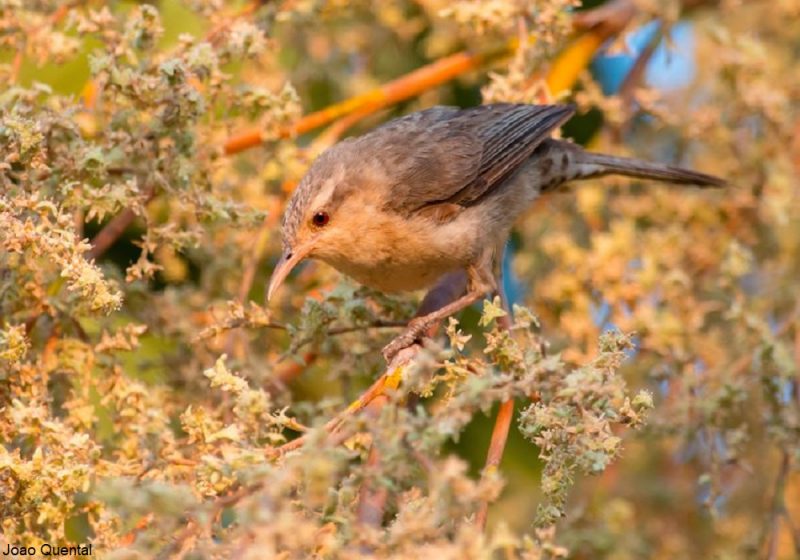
(150, 406)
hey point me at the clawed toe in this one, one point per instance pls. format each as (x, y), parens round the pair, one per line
(416, 328)
(398, 343)
(404, 340)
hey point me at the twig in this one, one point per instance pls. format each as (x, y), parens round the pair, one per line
(16, 63)
(796, 353)
(251, 264)
(794, 529)
(448, 288)
(379, 324)
(215, 32)
(193, 526)
(372, 499)
(615, 13)
(391, 378)
(53, 19)
(572, 61)
(636, 73)
(628, 88)
(778, 508)
(238, 323)
(334, 132)
(497, 446)
(107, 236)
(502, 422)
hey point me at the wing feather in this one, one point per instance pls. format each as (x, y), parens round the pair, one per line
(509, 137)
(446, 155)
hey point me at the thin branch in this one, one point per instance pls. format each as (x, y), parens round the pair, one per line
(778, 504)
(389, 378)
(249, 9)
(502, 422)
(497, 446)
(251, 264)
(405, 87)
(378, 324)
(796, 353)
(193, 527)
(371, 498)
(53, 19)
(637, 71)
(794, 529)
(448, 288)
(565, 70)
(617, 14)
(634, 78)
(16, 63)
(112, 231)
(334, 132)
(778, 508)
(435, 74)
(242, 322)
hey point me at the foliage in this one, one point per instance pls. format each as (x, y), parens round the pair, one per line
(149, 406)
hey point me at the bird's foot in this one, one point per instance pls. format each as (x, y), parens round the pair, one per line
(416, 328)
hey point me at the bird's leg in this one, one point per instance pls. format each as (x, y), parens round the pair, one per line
(481, 282)
(418, 325)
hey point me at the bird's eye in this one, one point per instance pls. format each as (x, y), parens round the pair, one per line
(320, 219)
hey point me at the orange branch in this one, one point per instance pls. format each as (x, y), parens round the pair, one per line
(405, 87)
(390, 379)
(502, 423)
(16, 64)
(568, 65)
(497, 446)
(563, 74)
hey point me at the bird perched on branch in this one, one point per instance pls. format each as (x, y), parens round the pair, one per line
(437, 191)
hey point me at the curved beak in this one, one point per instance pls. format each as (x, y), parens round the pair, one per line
(289, 259)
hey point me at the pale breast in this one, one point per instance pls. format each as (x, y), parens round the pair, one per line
(395, 254)
(391, 277)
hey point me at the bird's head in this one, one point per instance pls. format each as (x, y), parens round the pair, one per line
(315, 223)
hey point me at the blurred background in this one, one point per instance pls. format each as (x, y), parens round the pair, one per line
(170, 135)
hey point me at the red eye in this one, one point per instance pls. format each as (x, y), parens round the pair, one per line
(320, 219)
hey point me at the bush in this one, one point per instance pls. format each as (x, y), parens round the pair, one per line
(150, 407)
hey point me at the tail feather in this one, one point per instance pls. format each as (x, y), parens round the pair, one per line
(596, 165)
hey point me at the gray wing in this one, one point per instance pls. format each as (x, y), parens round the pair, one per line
(457, 156)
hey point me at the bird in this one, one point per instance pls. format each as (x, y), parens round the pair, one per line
(437, 191)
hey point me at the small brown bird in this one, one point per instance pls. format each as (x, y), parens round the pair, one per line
(437, 191)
